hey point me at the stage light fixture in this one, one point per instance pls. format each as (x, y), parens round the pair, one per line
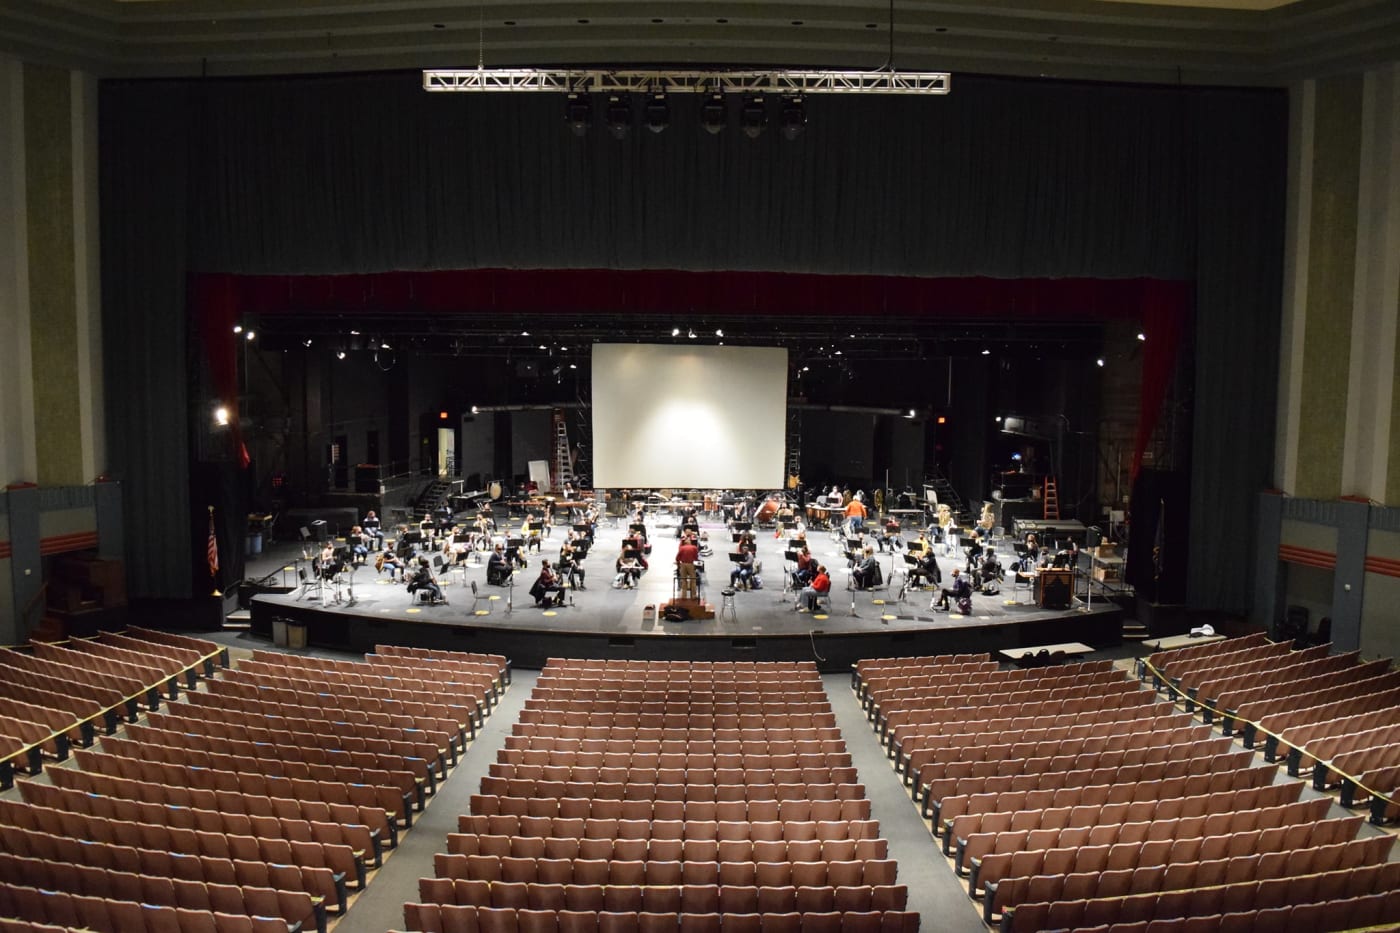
(573, 366)
(806, 368)
(675, 331)
(657, 113)
(384, 345)
(1141, 335)
(713, 114)
(250, 335)
(442, 416)
(793, 118)
(1099, 362)
(306, 342)
(753, 116)
(221, 416)
(354, 333)
(618, 115)
(942, 419)
(719, 332)
(691, 333)
(475, 410)
(238, 328)
(340, 354)
(986, 352)
(578, 113)
(524, 333)
(909, 414)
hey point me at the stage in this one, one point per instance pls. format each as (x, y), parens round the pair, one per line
(600, 621)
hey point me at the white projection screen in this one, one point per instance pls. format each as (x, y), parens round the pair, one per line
(669, 417)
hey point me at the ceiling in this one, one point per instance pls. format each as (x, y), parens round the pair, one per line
(1231, 42)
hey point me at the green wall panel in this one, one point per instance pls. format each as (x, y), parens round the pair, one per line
(1331, 271)
(53, 325)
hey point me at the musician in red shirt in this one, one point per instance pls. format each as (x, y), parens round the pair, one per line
(686, 556)
(820, 585)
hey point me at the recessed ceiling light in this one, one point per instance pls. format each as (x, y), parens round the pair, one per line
(439, 25)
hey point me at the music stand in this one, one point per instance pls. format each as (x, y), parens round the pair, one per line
(742, 526)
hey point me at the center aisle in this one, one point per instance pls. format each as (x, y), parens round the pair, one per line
(933, 891)
(380, 908)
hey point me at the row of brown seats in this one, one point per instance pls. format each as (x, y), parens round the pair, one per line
(1186, 673)
(105, 915)
(498, 661)
(1160, 659)
(297, 908)
(250, 782)
(1251, 705)
(587, 714)
(347, 846)
(320, 883)
(866, 666)
(512, 762)
(1294, 672)
(867, 675)
(641, 848)
(485, 676)
(1221, 770)
(421, 761)
(681, 797)
(801, 713)
(218, 715)
(143, 674)
(382, 828)
(613, 870)
(446, 918)
(1139, 745)
(214, 655)
(713, 670)
(665, 898)
(534, 816)
(1155, 811)
(644, 784)
(1158, 795)
(698, 740)
(1201, 757)
(987, 690)
(984, 679)
(1281, 905)
(893, 724)
(795, 827)
(404, 782)
(413, 743)
(1120, 721)
(994, 857)
(340, 859)
(726, 773)
(1283, 721)
(1161, 867)
(394, 694)
(336, 701)
(1213, 682)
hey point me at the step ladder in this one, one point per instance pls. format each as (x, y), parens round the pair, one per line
(563, 462)
(1050, 498)
(794, 442)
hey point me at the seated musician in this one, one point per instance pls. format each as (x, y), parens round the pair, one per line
(867, 571)
(806, 567)
(569, 566)
(498, 568)
(629, 570)
(640, 518)
(486, 510)
(689, 521)
(372, 528)
(359, 544)
(444, 517)
(926, 571)
(534, 531)
(989, 574)
(820, 586)
(742, 574)
(423, 580)
(326, 562)
(960, 590)
(634, 542)
(888, 534)
(983, 528)
(388, 559)
(547, 590)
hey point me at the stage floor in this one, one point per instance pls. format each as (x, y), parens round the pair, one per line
(764, 622)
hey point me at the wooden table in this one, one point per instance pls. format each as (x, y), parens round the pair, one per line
(1074, 647)
(1179, 641)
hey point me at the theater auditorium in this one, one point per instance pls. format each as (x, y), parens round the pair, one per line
(764, 468)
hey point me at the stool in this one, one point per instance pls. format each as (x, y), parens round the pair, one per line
(727, 607)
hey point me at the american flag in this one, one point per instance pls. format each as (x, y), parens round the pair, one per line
(213, 546)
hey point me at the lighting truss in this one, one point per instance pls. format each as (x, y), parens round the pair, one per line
(700, 82)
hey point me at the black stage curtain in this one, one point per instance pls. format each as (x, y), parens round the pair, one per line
(1005, 178)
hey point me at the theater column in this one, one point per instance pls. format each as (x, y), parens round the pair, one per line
(17, 451)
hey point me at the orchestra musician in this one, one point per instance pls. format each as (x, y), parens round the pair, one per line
(742, 574)
(820, 585)
(867, 571)
(423, 580)
(926, 569)
(390, 560)
(547, 590)
(498, 567)
(372, 528)
(687, 573)
(569, 566)
(806, 567)
(961, 590)
(359, 544)
(989, 574)
(629, 571)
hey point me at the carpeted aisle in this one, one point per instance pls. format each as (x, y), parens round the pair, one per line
(934, 892)
(380, 908)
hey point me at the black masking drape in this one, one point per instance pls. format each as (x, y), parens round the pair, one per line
(1003, 178)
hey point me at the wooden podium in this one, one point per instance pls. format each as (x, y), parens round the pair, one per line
(1054, 588)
